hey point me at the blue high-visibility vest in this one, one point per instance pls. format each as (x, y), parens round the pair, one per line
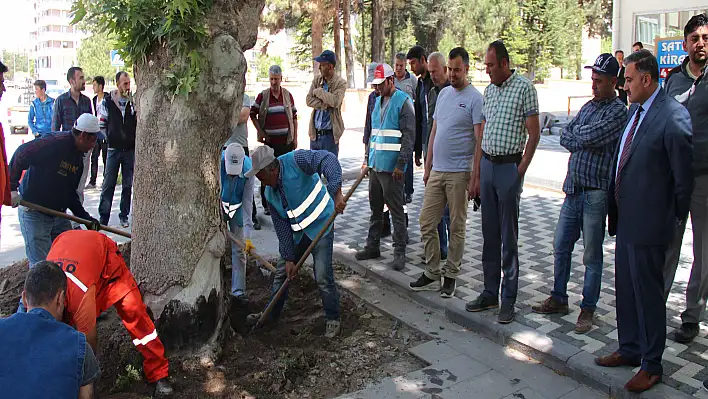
(232, 190)
(309, 203)
(41, 357)
(385, 141)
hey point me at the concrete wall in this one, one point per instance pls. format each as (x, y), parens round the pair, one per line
(629, 9)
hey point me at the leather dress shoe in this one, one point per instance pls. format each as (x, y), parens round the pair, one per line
(615, 360)
(642, 381)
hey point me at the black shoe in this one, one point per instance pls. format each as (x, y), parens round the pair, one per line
(448, 287)
(425, 284)
(238, 311)
(256, 225)
(705, 385)
(163, 389)
(124, 223)
(686, 333)
(506, 313)
(443, 256)
(266, 211)
(409, 198)
(482, 303)
(368, 253)
(399, 262)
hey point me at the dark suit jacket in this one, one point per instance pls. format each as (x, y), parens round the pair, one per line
(657, 180)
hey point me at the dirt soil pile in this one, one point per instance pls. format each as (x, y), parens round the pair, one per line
(290, 359)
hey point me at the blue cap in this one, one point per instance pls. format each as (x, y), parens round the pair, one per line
(327, 56)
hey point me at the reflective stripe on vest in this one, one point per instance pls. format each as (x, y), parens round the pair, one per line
(385, 146)
(306, 204)
(146, 339)
(76, 281)
(230, 209)
(386, 135)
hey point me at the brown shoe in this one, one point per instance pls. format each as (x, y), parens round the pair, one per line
(550, 306)
(642, 381)
(584, 323)
(615, 360)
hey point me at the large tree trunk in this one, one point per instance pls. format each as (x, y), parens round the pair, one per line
(348, 50)
(336, 32)
(392, 39)
(378, 35)
(317, 31)
(178, 238)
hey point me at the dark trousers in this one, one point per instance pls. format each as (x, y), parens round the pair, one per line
(278, 150)
(123, 160)
(99, 148)
(383, 189)
(409, 176)
(641, 310)
(500, 192)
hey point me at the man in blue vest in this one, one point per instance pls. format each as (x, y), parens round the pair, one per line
(235, 186)
(300, 205)
(386, 156)
(40, 353)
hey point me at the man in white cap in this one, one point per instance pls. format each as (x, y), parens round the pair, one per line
(386, 155)
(300, 205)
(235, 186)
(54, 166)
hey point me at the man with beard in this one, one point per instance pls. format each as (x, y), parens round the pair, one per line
(418, 61)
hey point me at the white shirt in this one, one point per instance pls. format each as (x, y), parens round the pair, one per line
(645, 108)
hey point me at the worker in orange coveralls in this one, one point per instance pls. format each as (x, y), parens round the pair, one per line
(98, 278)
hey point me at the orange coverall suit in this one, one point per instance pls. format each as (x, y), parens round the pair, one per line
(98, 278)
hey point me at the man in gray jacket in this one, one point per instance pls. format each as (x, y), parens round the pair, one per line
(697, 104)
(680, 79)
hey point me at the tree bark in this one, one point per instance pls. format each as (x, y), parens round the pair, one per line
(337, 32)
(348, 49)
(378, 35)
(317, 31)
(178, 238)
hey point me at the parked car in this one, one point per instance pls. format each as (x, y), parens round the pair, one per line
(17, 119)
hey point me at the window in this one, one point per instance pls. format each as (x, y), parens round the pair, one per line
(648, 27)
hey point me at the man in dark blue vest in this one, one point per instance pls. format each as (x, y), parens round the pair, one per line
(387, 152)
(40, 353)
(300, 205)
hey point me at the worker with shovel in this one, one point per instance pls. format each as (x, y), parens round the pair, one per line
(98, 278)
(54, 166)
(235, 186)
(300, 206)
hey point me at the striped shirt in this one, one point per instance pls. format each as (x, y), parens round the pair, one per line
(310, 162)
(591, 137)
(276, 123)
(505, 110)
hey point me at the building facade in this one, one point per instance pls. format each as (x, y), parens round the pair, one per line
(645, 20)
(53, 40)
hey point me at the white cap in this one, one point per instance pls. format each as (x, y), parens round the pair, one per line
(87, 123)
(382, 72)
(233, 157)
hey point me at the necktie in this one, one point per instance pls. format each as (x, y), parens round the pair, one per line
(625, 150)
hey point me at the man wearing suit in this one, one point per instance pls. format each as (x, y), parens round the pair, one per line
(649, 196)
(619, 55)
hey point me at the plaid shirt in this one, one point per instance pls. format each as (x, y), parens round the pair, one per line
(67, 111)
(505, 110)
(591, 137)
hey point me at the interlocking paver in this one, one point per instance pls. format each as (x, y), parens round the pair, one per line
(539, 211)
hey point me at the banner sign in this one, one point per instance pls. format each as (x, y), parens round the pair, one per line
(669, 53)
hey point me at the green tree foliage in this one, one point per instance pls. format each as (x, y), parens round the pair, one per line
(94, 56)
(15, 61)
(264, 62)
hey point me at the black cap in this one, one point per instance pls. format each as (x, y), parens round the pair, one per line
(605, 64)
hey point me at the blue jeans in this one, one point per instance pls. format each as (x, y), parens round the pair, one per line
(324, 276)
(39, 231)
(123, 160)
(325, 142)
(409, 177)
(444, 231)
(238, 264)
(585, 212)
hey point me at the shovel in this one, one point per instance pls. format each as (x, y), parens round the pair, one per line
(264, 316)
(259, 258)
(73, 218)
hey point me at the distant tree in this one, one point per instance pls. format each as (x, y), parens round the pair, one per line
(16, 61)
(94, 56)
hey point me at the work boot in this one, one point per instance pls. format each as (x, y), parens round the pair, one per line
(332, 328)
(368, 253)
(238, 313)
(550, 306)
(425, 284)
(686, 333)
(584, 323)
(399, 262)
(163, 389)
(448, 287)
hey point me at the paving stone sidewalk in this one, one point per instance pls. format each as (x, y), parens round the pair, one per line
(685, 366)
